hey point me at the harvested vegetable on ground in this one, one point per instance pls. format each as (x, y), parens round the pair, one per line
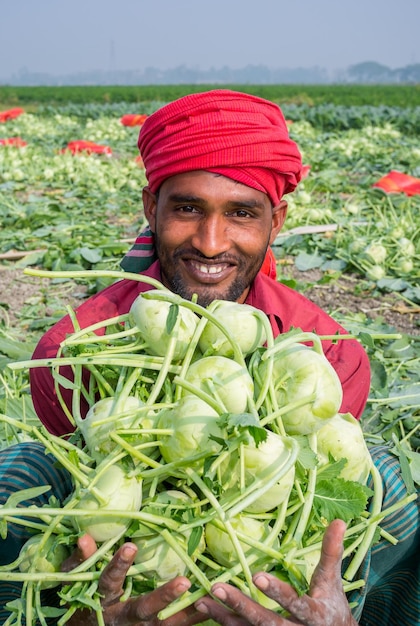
(215, 465)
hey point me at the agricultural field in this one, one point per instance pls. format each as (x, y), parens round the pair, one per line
(351, 247)
(70, 207)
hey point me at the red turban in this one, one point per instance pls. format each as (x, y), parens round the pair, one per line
(234, 134)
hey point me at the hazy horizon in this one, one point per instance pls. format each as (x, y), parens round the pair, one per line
(87, 35)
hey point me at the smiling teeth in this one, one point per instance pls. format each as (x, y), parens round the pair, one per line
(210, 269)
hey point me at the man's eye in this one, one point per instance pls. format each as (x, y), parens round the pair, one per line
(241, 213)
(187, 209)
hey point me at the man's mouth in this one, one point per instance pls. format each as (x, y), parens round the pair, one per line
(209, 269)
(208, 272)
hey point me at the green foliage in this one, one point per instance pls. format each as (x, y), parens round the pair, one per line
(338, 498)
(346, 95)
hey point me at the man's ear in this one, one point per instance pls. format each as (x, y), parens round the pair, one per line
(279, 213)
(150, 206)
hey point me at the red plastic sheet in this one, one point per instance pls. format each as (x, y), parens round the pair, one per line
(131, 119)
(13, 141)
(90, 147)
(10, 114)
(305, 171)
(397, 182)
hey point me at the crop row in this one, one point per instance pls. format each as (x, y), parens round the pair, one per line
(344, 95)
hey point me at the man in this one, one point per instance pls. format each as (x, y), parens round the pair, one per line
(218, 165)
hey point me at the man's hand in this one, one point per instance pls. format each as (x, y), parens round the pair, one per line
(139, 611)
(324, 605)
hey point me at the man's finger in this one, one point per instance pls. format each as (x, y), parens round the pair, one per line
(146, 607)
(113, 576)
(217, 612)
(250, 611)
(329, 566)
(86, 546)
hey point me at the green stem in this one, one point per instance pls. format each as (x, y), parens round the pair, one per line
(78, 337)
(309, 496)
(89, 274)
(135, 452)
(370, 531)
(165, 367)
(194, 569)
(290, 406)
(227, 525)
(283, 342)
(265, 481)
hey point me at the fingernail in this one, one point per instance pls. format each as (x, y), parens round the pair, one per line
(201, 607)
(128, 552)
(181, 587)
(219, 592)
(261, 581)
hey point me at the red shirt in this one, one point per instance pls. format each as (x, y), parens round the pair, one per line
(285, 308)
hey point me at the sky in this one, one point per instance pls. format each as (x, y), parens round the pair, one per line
(62, 36)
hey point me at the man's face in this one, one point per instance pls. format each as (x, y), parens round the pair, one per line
(211, 234)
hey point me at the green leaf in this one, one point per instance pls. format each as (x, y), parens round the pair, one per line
(379, 375)
(21, 409)
(405, 396)
(172, 317)
(242, 420)
(258, 434)
(414, 463)
(16, 605)
(25, 494)
(406, 475)
(412, 293)
(52, 611)
(332, 470)
(400, 349)
(194, 540)
(64, 382)
(305, 261)
(366, 339)
(392, 284)
(339, 498)
(90, 255)
(18, 350)
(248, 422)
(334, 265)
(33, 258)
(218, 440)
(289, 282)
(306, 456)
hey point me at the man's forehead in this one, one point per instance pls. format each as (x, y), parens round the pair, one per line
(201, 185)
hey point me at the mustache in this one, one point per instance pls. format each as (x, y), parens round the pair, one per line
(196, 255)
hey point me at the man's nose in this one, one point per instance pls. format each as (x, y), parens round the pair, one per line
(211, 237)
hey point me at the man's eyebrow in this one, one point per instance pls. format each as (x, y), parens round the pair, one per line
(247, 204)
(181, 197)
(233, 204)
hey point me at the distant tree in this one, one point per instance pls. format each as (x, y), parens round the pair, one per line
(369, 72)
(409, 74)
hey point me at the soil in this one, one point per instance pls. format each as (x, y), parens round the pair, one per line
(341, 296)
(17, 290)
(349, 294)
